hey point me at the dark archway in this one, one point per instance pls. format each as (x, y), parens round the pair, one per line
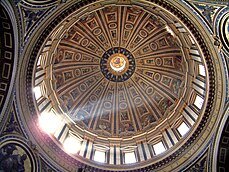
(7, 52)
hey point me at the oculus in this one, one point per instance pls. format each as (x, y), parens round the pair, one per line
(117, 64)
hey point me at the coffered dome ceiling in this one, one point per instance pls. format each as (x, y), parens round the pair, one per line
(119, 72)
(121, 78)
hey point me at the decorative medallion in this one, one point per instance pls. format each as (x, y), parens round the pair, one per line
(117, 64)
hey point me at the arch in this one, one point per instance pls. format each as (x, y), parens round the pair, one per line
(9, 54)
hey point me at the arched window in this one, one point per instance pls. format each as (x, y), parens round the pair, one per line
(159, 148)
(199, 102)
(129, 157)
(183, 129)
(100, 156)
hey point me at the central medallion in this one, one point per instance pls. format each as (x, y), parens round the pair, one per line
(117, 64)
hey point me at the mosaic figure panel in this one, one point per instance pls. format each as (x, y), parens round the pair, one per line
(14, 158)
